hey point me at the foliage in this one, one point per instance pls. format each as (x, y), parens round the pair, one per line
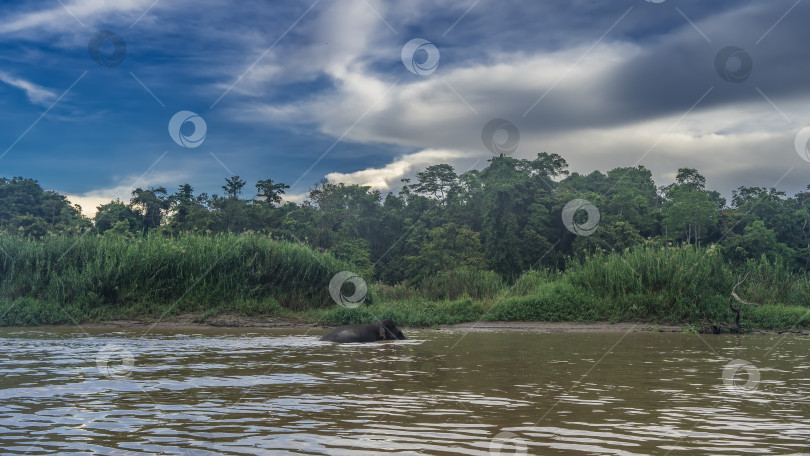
(89, 273)
(494, 235)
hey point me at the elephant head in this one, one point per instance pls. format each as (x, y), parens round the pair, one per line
(389, 331)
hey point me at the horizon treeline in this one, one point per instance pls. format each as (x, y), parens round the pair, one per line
(505, 218)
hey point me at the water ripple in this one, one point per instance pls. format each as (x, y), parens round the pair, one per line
(247, 392)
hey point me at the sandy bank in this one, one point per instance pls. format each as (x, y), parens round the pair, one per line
(192, 321)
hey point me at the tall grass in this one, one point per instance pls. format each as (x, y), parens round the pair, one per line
(63, 279)
(95, 276)
(664, 285)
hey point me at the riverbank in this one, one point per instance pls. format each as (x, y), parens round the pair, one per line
(222, 279)
(193, 321)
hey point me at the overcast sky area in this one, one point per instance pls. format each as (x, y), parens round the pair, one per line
(298, 91)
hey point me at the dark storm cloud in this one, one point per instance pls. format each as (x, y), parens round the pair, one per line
(670, 73)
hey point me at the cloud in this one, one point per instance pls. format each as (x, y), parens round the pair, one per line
(35, 93)
(389, 176)
(600, 106)
(69, 15)
(333, 38)
(337, 73)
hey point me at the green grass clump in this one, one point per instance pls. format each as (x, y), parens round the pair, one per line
(659, 285)
(95, 277)
(776, 317)
(557, 301)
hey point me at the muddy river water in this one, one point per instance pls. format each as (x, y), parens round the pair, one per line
(282, 392)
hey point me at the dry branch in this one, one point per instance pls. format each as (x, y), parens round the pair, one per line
(733, 296)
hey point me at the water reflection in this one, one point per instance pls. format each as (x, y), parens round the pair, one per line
(281, 392)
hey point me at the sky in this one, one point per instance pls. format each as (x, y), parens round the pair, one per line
(99, 97)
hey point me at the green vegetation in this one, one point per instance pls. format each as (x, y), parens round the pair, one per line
(488, 244)
(104, 277)
(66, 279)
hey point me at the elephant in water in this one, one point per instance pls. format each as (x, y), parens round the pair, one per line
(382, 330)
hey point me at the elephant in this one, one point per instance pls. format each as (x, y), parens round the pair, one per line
(384, 329)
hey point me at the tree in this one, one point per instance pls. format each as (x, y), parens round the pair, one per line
(233, 186)
(152, 204)
(803, 215)
(25, 197)
(633, 197)
(690, 177)
(111, 214)
(189, 212)
(355, 251)
(344, 212)
(270, 192)
(756, 241)
(436, 181)
(690, 213)
(689, 210)
(444, 248)
(771, 207)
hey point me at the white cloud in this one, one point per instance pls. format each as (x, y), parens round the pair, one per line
(35, 93)
(449, 109)
(388, 177)
(297, 198)
(581, 116)
(69, 15)
(340, 37)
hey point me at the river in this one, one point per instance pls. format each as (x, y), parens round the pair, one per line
(282, 392)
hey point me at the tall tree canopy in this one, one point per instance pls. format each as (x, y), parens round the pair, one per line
(506, 217)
